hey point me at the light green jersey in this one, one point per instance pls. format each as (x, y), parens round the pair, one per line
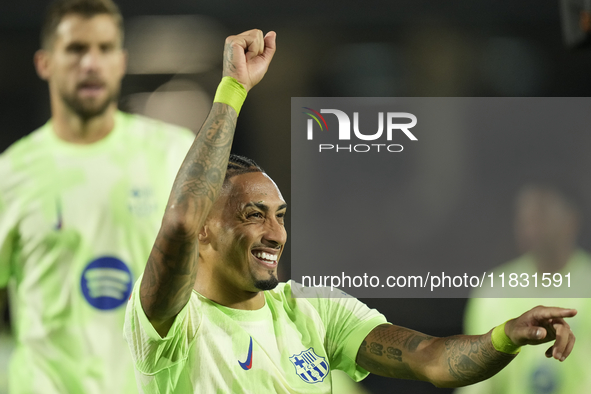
(291, 345)
(531, 372)
(77, 223)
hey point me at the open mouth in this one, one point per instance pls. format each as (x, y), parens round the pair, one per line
(267, 259)
(91, 89)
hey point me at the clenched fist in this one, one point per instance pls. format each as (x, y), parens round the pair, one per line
(247, 56)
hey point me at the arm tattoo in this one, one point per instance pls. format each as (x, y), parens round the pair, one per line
(450, 362)
(395, 354)
(171, 270)
(228, 55)
(471, 359)
(386, 349)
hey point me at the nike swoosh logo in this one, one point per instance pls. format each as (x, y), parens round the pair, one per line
(248, 363)
(58, 225)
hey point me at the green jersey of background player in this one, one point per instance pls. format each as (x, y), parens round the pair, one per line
(81, 201)
(209, 314)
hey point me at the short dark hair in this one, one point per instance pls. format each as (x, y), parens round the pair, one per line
(87, 8)
(567, 192)
(238, 165)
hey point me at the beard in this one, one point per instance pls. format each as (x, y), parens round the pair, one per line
(267, 284)
(88, 109)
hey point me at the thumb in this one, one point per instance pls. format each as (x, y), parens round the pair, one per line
(270, 45)
(526, 335)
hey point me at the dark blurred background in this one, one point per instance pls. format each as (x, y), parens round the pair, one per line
(346, 48)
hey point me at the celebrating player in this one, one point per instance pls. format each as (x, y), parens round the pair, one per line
(209, 316)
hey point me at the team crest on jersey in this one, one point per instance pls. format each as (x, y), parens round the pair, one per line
(141, 201)
(309, 366)
(106, 283)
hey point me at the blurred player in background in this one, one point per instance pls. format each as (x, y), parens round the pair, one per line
(547, 223)
(81, 200)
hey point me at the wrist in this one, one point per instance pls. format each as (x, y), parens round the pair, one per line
(501, 341)
(230, 92)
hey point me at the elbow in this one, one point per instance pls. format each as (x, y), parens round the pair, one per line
(442, 382)
(179, 225)
(446, 384)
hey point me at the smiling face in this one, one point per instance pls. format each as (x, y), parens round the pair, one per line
(246, 233)
(85, 64)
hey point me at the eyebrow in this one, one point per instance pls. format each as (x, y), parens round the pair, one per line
(83, 42)
(263, 207)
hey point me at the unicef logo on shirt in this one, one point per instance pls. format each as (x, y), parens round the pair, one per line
(106, 283)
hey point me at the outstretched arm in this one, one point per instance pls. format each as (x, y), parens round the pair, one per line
(172, 266)
(463, 359)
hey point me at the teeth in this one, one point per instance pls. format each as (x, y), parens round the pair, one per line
(266, 256)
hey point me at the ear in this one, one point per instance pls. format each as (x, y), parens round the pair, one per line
(42, 64)
(203, 236)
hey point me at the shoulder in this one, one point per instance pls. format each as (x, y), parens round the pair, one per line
(139, 126)
(26, 156)
(288, 296)
(323, 300)
(29, 144)
(294, 290)
(523, 263)
(581, 259)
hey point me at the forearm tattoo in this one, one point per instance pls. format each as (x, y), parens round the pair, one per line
(171, 270)
(386, 348)
(454, 361)
(471, 359)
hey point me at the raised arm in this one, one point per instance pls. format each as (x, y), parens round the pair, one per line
(461, 360)
(171, 269)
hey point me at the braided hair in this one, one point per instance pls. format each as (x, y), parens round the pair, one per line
(238, 165)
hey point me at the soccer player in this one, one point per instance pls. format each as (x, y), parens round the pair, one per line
(547, 221)
(81, 200)
(209, 316)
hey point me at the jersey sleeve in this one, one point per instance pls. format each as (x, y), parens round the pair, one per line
(347, 322)
(159, 361)
(8, 238)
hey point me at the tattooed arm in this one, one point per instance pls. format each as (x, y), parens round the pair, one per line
(171, 269)
(460, 360)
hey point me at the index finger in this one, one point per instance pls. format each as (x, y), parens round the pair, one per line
(249, 40)
(546, 312)
(257, 45)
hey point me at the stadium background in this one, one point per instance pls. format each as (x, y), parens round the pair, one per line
(349, 48)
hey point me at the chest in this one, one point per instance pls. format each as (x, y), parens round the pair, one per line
(274, 355)
(85, 224)
(78, 192)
